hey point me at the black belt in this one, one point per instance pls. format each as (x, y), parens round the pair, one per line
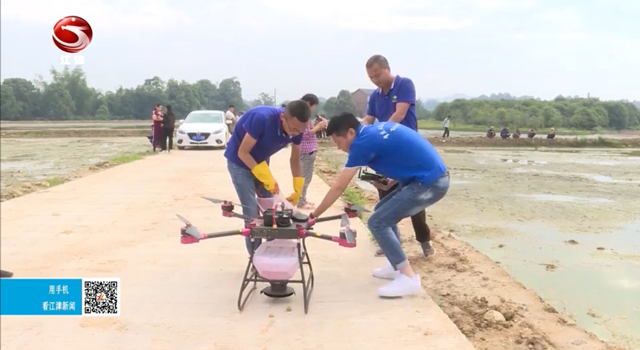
(310, 153)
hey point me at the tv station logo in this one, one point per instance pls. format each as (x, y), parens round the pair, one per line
(72, 35)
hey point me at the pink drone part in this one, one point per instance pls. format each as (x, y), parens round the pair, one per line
(277, 259)
(188, 240)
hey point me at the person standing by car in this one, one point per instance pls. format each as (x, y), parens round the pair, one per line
(230, 119)
(156, 127)
(168, 127)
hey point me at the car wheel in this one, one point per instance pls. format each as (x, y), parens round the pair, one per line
(181, 148)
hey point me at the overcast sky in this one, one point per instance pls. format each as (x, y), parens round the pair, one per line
(524, 47)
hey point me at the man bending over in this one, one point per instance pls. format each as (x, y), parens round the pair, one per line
(260, 133)
(423, 179)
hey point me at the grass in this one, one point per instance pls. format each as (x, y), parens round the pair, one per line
(352, 194)
(126, 158)
(437, 125)
(599, 142)
(56, 181)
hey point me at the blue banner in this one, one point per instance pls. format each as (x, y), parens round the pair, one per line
(41, 296)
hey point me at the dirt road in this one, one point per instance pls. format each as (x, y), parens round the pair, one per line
(121, 223)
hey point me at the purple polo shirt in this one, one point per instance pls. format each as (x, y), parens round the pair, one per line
(263, 124)
(383, 106)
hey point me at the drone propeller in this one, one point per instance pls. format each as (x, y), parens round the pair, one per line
(357, 208)
(349, 234)
(344, 221)
(189, 229)
(218, 201)
(184, 221)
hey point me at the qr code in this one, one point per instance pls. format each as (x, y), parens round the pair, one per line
(101, 297)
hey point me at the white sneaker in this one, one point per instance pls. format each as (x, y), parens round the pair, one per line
(401, 286)
(386, 272)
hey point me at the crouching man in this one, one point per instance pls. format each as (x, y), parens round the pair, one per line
(260, 133)
(398, 152)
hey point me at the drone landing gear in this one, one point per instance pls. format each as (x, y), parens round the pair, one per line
(279, 288)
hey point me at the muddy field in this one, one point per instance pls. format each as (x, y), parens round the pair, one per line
(29, 164)
(518, 223)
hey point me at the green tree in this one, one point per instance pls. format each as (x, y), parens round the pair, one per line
(10, 107)
(341, 103)
(264, 99)
(103, 112)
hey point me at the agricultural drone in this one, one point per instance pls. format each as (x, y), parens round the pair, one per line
(284, 252)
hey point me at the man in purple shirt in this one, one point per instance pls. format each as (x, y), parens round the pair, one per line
(260, 133)
(395, 101)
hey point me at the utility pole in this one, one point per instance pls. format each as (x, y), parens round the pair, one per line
(275, 99)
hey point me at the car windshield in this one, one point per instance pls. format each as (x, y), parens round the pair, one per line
(204, 117)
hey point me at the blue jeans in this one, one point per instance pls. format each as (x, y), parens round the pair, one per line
(247, 186)
(402, 203)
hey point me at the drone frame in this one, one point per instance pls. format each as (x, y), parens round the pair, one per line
(298, 230)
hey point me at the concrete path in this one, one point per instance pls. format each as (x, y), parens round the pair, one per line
(121, 223)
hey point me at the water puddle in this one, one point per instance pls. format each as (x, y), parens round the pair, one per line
(26, 165)
(563, 198)
(524, 161)
(579, 274)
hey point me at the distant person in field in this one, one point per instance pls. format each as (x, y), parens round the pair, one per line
(308, 149)
(445, 125)
(168, 127)
(239, 115)
(516, 134)
(532, 133)
(156, 127)
(552, 134)
(491, 133)
(230, 119)
(504, 133)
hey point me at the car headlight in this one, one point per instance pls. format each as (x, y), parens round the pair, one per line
(180, 131)
(219, 131)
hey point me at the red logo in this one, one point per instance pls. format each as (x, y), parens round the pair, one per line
(72, 34)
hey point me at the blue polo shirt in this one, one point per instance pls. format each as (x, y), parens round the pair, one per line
(383, 106)
(263, 124)
(397, 152)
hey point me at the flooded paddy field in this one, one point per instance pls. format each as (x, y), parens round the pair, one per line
(565, 223)
(32, 160)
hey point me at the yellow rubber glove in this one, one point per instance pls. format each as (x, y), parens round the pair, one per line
(263, 174)
(298, 183)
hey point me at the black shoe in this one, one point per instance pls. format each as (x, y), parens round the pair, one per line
(6, 274)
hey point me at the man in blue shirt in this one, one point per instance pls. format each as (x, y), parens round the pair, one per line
(395, 151)
(260, 133)
(395, 101)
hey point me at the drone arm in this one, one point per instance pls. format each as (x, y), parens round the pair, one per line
(329, 218)
(223, 234)
(348, 241)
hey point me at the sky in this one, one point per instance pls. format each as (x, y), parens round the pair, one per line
(542, 48)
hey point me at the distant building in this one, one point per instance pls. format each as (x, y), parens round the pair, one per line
(360, 97)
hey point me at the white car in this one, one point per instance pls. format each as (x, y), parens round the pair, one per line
(203, 129)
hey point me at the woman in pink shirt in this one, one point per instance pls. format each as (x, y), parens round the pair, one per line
(156, 128)
(308, 149)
